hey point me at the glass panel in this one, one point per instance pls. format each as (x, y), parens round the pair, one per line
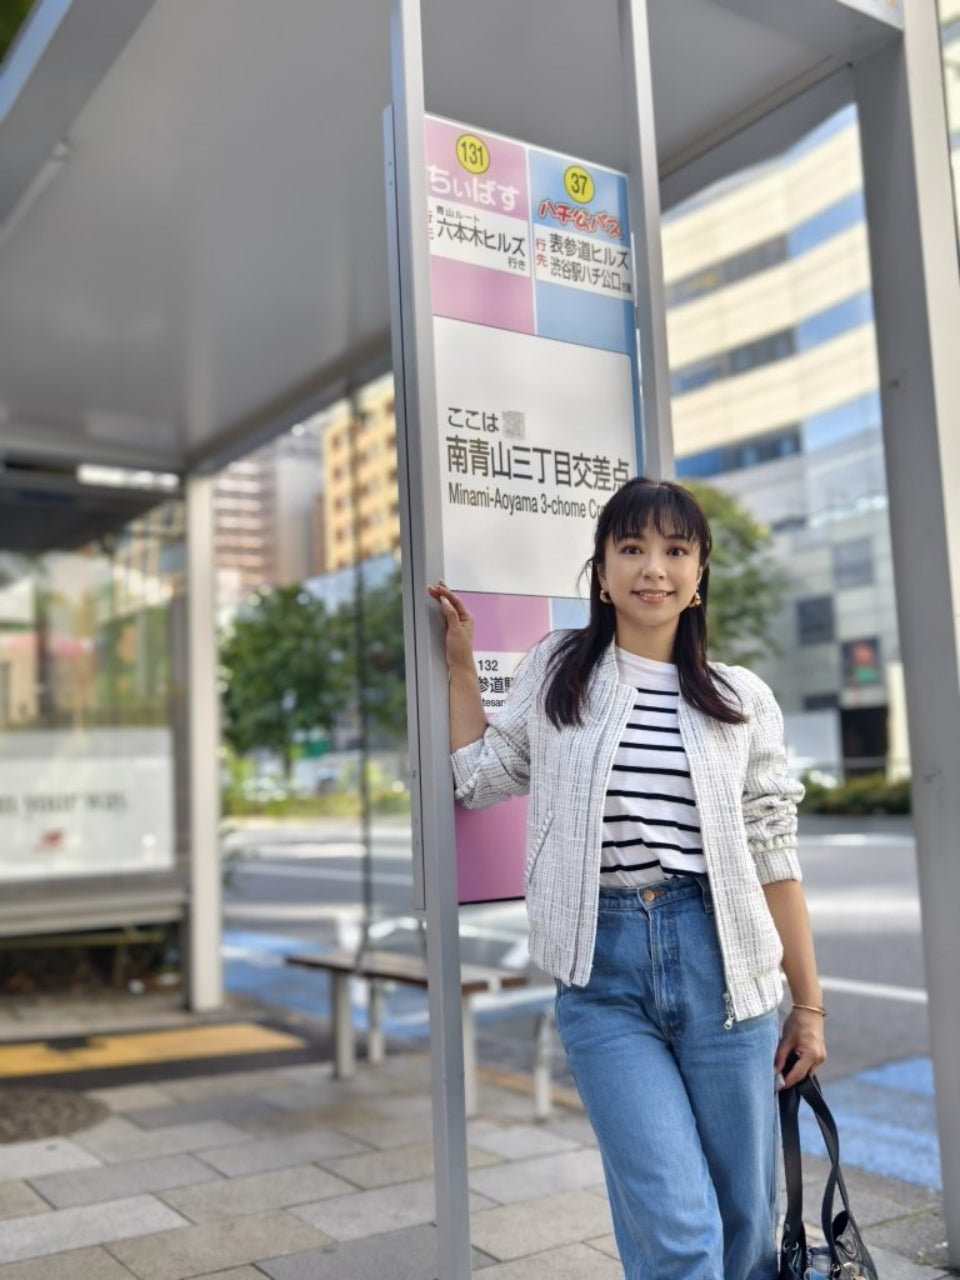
(315, 729)
(776, 403)
(87, 602)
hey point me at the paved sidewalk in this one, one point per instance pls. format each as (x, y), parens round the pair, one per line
(289, 1174)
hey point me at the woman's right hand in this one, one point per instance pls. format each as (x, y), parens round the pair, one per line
(460, 627)
(468, 720)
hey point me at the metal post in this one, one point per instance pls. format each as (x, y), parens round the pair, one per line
(360, 636)
(420, 487)
(916, 289)
(542, 1066)
(644, 185)
(205, 979)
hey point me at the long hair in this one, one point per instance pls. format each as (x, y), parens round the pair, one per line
(673, 512)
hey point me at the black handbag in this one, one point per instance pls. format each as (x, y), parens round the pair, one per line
(844, 1256)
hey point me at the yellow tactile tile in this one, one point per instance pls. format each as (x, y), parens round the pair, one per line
(220, 1041)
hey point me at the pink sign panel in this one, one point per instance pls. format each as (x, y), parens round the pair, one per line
(490, 842)
(478, 227)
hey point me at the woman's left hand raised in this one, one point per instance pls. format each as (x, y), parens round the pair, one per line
(802, 1035)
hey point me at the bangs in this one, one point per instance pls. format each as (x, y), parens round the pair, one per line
(670, 510)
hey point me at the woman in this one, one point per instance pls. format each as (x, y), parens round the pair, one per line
(662, 887)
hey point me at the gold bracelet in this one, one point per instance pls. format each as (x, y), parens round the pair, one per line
(814, 1008)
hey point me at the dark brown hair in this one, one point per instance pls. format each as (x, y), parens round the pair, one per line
(674, 512)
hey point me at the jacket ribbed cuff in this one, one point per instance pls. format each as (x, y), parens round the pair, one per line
(777, 863)
(465, 761)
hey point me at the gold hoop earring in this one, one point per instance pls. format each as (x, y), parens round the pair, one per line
(604, 595)
(696, 602)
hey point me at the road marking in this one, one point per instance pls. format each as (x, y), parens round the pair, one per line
(291, 911)
(278, 870)
(856, 839)
(875, 990)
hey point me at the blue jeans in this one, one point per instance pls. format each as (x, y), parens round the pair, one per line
(683, 1108)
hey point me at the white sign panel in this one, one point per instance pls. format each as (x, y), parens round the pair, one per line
(529, 455)
(83, 803)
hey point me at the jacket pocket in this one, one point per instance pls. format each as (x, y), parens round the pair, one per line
(536, 848)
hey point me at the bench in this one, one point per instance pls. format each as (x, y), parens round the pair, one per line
(378, 967)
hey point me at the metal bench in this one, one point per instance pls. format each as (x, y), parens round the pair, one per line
(378, 967)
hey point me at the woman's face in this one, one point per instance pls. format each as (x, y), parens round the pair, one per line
(651, 579)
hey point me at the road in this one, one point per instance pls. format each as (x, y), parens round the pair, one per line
(305, 883)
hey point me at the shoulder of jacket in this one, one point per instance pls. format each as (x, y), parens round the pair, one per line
(544, 649)
(747, 683)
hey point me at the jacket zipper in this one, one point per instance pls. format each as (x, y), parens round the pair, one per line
(597, 841)
(728, 1005)
(727, 998)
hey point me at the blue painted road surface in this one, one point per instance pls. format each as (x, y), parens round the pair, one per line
(886, 1121)
(885, 1116)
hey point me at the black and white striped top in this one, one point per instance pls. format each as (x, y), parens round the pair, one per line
(651, 827)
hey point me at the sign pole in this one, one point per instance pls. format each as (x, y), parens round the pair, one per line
(644, 183)
(420, 481)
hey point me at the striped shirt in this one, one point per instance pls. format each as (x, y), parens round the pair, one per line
(651, 826)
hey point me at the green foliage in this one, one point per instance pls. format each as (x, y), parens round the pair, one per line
(747, 584)
(339, 804)
(869, 794)
(283, 673)
(384, 671)
(12, 14)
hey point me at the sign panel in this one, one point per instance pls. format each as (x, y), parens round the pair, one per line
(85, 802)
(534, 337)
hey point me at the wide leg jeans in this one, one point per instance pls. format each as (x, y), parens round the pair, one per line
(681, 1098)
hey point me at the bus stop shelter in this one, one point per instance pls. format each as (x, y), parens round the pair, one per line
(193, 257)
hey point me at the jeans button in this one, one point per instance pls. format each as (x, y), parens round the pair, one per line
(649, 895)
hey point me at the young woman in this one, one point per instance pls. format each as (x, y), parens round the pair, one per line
(662, 887)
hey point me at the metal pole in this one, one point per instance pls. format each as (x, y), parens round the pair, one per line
(205, 969)
(360, 633)
(656, 451)
(420, 486)
(916, 290)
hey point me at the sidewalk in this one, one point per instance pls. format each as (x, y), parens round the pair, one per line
(283, 1172)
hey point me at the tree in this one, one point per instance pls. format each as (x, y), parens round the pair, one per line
(747, 584)
(12, 14)
(283, 673)
(384, 670)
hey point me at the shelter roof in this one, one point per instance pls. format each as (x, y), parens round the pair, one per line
(192, 214)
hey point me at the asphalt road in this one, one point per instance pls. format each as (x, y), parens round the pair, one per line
(306, 883)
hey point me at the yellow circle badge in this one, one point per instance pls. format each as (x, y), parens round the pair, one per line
(579, 184)
(472, 153)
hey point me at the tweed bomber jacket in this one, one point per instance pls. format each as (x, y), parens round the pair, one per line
(746, 798)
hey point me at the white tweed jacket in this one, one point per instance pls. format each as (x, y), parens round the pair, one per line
(746, 798)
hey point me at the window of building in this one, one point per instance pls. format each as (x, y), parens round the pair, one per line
(820, 701)
(826, 224)
(745, 453)
(842, 421)
(853, 563)
(815, 619)
(832, 322)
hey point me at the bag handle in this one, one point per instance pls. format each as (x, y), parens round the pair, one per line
(809, 1089)
(793, 1246)
(794, 1236)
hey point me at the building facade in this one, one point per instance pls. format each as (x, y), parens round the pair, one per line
(265, 511)
(361, 502)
